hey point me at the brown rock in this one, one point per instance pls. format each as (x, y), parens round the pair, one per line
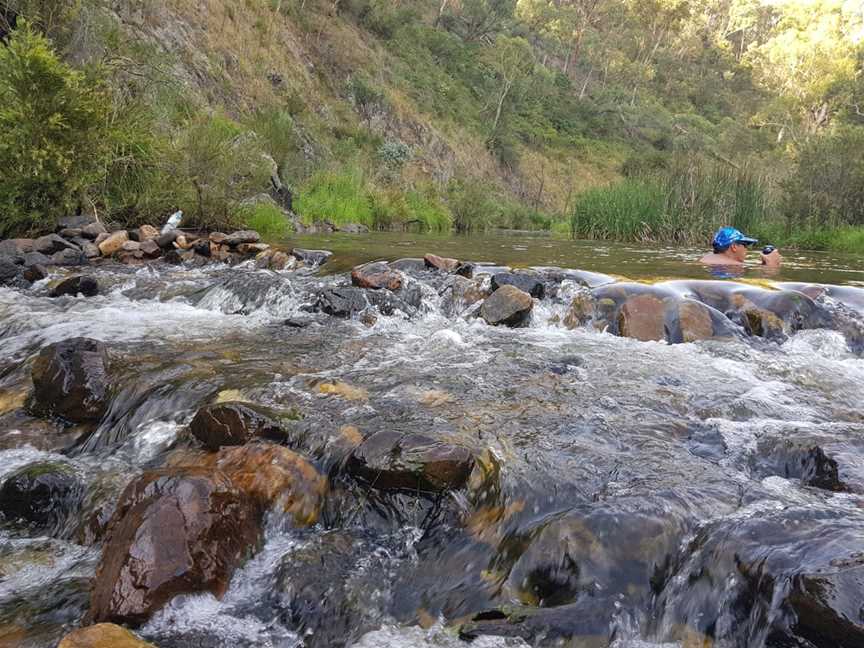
(581, 311)
(695, 319)
(251, 249)
(218, 237)
(271, 474)
(131, 246)
(410, 462)
(282, 261)
(150, 248)
(508, 306)
(234, 423)
(93, 230)
(147, 233)
(113, 243)
(16, 247)
(440, 263)
(102, 635)
(175, 531)
(376, 276)
(243, 236)
(643, 317)
(70, 380)
(182, 243)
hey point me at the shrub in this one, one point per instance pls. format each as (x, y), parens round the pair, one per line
(53, 139)
(394, 154)
(266, 219)
(471, 208)
(339, 197)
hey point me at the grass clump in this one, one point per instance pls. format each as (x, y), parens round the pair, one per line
(267, 219)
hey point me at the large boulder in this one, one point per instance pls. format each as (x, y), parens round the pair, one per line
(376, 276)
(435, 262)
(79, 285)
(235, 423)
(69, 257)
(410, 462)
(147, 233)
(70, 380)
(312, 257)
(797, 459)
(102, 635)
(524, 282)
(93, 230)
(41, 496)
(52, 243)
(507, 306)
(16, 247)
(243, 236)
(114, 243)
(175, 531)
(462, 293)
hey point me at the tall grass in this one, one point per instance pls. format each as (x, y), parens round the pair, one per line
(684, 204)
(266, 219)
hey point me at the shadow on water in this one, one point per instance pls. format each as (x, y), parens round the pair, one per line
(650, 464)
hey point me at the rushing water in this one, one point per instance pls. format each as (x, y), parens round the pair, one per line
(639, 502)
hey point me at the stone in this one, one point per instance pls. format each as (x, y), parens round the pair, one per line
(354, 228)
(147, 233)
(251, 249)
(52, 243)
(695, 321)
(642, 317)
(150, 249)
(113, 243)
(70, 233)
(166, 240)
(68, 257)
(341, 302)
(90, 250)
(243, 236)
(35, 273)
(182, 243)
(312, 257)
(274, 475)
(70, 380)
(93, 230)
(461, 294)
(797, 459)
(130, 258)
(507, 306)
(76, 221)
(440, 263)
(410, 462)
(235, 423)
(174, 531)
(35, 258)
(16, 247)
(131, 246)
(104, 236)
(218, 237)
(523, 282)
(282, 261)
(11, 273)
(409, 265)
(73, 286)
(41, 496)
(376, 276)
(202, 247)
(102, 635)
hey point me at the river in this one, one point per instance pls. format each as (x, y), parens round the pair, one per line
(634, 493)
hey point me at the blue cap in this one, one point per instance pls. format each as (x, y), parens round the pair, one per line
(726, 236)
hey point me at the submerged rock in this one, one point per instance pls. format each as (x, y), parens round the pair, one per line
(175, 531)
(410, 462)
(102, 635)
(71, 380)
(347, 302)
(523, 282)
(507, 306)
(73, 286)
(797, 459)
(312, 257)
(234, 424)
(440, 263)
(376, 276)
(41, 496)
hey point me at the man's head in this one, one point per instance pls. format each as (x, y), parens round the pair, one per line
(730, 241)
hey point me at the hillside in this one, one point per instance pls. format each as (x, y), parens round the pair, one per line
(462, 114)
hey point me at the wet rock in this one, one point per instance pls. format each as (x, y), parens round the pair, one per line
(202, 247)
(341, 302)
(70, 233)
(354, 228)
(298, 322)
(68, 257)
(409, 265)
(150, 248)
(16, 247)
(73, 286)
(235, 423)
(102, 635)
(410, 462)
(113, 243)
(252, 249)
(35, 258)
(147, 233)
(11, 273)
(93, 230)
(41, 496)
(274, 475)
(465, 270)
(70, 380)
(34, 273)
(282, 261)
(643, 317)
(376, 276)
(461, 294)
(312, 257)
(581, 310)
(51, 244)
(695, 320)
(525, 283)
(507, 306)
(243, 236)
(175, 531)
(797, 459)
(440, 263)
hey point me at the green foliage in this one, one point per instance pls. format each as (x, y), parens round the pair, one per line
(266, 219)
(54, 143)
(471, 206)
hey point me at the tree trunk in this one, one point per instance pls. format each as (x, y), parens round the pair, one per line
(502, 98)
(441, 9)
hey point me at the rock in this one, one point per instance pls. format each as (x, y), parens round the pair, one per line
(252, 249)
(41, 496)
(341, 302)
(353, 228)
(440, 263)
(147, 233)
(282, 261)
(523, 282)
(410, 462)
(113, 243)
(86, 286)
(16, 247)
(90, 250)
(235, 423)
(298, 322)
(695, 321)
(93, 230)
(70, 380)
(218, 238)
(130, 258)
(797, 459)
(104, 236)
(643, 317)
(11, 273)
(465, 270)
(182, 243)
(70, 233)
(202, 247)
(35, 258)
(51, 244)
(175, 531)
(508, 306)
(68, 257)
(409, 265)
(312, 257)
(461, 294)
(150, 249)
(271, 474)
(376, 276)
(34, 273)
(131, 246)
(102, 635)
(243, 236)
(166, 240)
(76, 221)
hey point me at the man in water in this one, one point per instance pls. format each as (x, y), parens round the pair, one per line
(731, 248)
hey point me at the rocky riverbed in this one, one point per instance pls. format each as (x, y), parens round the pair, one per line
(217, 445)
